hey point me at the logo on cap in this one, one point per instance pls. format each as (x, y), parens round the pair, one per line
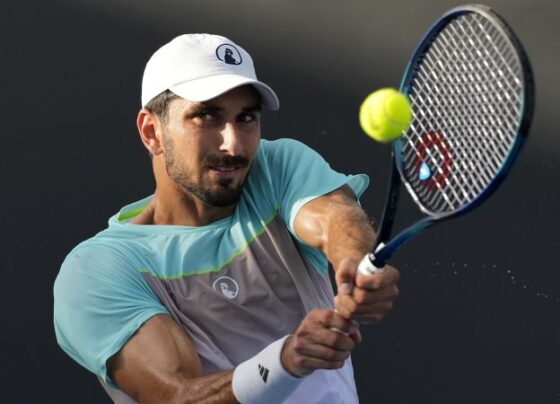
(229, 54)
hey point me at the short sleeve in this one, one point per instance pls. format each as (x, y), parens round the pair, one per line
(299, 174)
(100, 300)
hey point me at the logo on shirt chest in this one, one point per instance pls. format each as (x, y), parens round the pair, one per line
(226, 286)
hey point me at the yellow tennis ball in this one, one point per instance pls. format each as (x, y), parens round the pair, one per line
(385, 114)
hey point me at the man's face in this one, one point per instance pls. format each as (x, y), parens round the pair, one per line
(208, 147)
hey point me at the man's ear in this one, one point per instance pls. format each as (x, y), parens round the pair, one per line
(149, 128)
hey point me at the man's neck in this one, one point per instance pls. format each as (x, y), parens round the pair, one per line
(172, 206)
(176, 207)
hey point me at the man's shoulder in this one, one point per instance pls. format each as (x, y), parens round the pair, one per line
(281, 153)
(98, 248)
(108, 246)
(95, 263)
(282, 144)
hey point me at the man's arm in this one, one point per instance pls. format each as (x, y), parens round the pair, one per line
(160, 364)
(337, 225)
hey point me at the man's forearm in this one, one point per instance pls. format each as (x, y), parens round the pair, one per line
(349, 235)
(337, 225)
(364, 298)
(214, 388)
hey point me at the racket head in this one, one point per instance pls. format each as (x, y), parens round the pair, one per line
(472, 93)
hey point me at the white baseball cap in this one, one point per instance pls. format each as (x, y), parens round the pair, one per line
(199, 67)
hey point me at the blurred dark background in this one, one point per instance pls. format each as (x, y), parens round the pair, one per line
(478, 320)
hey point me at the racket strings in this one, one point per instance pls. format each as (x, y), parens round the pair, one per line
(472, 111)
(466, 95)
(465, 194)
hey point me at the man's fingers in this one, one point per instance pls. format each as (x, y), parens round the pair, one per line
(334, 347)
(318, 343)
(347, 307)
(378, 281)
(371, 298)
(371, 318)
(305, 362)
(375, 308)
(337, 321)
(365, 296)
(344, 303)
(345, 276)
(333, 321)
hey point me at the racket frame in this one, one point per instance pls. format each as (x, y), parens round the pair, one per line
(384, 249)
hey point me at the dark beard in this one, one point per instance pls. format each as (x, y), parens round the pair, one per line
(224, 196)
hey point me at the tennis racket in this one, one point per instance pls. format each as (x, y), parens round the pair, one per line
(472, 94)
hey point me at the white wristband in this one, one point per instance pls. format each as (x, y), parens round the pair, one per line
(263, 379)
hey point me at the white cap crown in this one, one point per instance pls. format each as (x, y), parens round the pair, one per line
(199, 67)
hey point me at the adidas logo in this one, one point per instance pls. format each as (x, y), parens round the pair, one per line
(264, 372)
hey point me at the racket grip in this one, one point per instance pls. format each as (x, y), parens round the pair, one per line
(366, 266)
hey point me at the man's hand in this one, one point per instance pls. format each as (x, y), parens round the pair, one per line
(318, 343)
(365, 298)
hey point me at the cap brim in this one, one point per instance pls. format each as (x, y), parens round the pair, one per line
(206, 88)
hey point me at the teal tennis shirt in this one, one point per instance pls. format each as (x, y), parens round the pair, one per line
(234, 285)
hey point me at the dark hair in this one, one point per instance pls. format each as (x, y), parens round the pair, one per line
(159, 105)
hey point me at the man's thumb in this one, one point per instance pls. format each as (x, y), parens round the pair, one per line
(345, 279)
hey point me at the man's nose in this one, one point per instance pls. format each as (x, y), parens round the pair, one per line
(231, 141)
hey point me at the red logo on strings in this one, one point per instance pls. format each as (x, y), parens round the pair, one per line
(434, 152)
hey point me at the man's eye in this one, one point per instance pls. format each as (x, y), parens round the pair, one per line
(247, 118)
(206, 115)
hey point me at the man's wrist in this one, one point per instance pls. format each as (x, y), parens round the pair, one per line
(264, 378)
(285, 358)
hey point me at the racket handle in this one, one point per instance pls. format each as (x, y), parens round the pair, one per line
(366, 266)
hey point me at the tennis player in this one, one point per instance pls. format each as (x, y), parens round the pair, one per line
(215, 288)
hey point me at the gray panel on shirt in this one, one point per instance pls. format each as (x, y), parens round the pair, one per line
(262, 295)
